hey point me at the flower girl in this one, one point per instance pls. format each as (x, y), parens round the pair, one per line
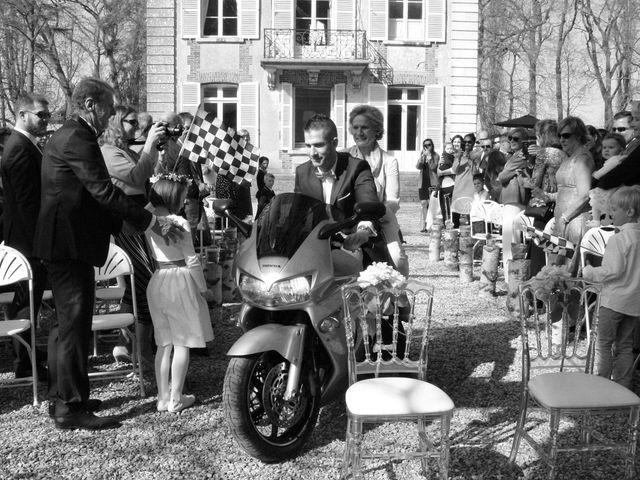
(177, 295)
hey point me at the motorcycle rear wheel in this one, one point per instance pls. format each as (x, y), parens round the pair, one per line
(263, 424)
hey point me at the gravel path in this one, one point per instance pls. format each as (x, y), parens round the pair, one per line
(475, 358)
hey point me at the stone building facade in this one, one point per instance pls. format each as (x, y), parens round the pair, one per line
(268, 65)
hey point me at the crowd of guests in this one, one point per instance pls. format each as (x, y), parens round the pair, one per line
(113, 173)
(579, 176)
(107, 174)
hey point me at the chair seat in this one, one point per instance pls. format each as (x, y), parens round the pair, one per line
(6, 297)
(112, 321)
(570, 390)
(13, 327)
(396, 396)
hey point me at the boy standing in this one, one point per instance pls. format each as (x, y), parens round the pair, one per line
(620, 277)
(266, 193)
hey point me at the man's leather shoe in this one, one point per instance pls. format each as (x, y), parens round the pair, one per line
(86, 421)
(92, 405)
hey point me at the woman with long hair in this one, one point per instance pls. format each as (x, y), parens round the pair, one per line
(428, 180)
(131, 171)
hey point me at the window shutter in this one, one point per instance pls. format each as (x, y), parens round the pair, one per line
(190, 97)
(344, 15)
(378, 99)
(435, 20)
(190, 18)
(283, 13)
(248, 109)
(338, 112)
(249, 18)
(434, 115)
(378, 22)
(286, 116)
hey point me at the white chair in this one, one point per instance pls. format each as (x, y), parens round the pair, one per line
(117, 265)
(14, 268)
(490, 213)
(461, 206)
(392, 398)
(520, 224)
(557, 373)
(594, 242)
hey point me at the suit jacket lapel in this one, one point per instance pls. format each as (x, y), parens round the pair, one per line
(315, 185)
(341, 177)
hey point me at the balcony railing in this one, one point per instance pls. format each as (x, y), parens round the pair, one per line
(320, 44)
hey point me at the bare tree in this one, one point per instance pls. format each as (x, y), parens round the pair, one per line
(566, 23)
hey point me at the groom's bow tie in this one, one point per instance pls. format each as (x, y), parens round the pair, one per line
(325, 175)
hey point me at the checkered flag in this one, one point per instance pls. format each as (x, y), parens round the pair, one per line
(552, 243)
(227, 152)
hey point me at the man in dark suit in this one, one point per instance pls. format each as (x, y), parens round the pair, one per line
(80, 209)
(339, 180)
(20, 170)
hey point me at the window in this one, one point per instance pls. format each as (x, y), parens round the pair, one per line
(222, 101)
(403, 118)
(312, 21)
(406, 20)
(220, 18)
(308, 102)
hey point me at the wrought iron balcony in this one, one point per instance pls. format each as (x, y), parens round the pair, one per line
(338, 47)
(321, 44)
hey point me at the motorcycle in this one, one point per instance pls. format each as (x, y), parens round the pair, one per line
(292, 357)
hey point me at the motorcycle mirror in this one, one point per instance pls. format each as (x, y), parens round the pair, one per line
(219, 205)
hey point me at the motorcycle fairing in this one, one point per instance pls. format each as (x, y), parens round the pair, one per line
(287, 340)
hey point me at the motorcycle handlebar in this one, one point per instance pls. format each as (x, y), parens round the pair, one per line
(362, 211)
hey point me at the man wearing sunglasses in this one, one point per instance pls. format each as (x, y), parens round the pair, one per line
(622, 125)
(20, 170)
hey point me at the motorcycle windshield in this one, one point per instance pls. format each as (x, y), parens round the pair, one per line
(285, 223)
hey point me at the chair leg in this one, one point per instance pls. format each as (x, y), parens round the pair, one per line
(445, 423)
(517, 437)
(634, 417)
(356, 456)
(424, 447)
(347, 457)
(554, 423)
(95, 343)
(585, 431)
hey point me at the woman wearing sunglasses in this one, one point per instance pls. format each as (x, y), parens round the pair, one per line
(428, 180)
(131, 171)
(573, 181)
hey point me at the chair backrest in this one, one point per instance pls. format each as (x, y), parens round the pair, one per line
(520, 224)
(558, 322)
(461, 205)
(594, 242)
(407, 314)
(14, 267)
(117, 263)
(550, 225)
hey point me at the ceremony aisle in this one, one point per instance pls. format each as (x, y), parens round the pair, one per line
(474, 357)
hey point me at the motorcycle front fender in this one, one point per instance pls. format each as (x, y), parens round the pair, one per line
(287, 340)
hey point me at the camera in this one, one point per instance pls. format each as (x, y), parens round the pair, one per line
(525, 146)
(170, 132)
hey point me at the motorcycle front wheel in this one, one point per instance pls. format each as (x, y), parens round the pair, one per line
(265, 425)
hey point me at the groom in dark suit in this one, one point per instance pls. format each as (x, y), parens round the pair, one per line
(80, 209)
(339, 180)
(20, 170)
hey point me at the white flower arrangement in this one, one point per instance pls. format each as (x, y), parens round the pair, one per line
(381, 275)
(550, 279)
(172, 176)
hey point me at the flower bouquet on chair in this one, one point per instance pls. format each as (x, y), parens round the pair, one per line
(383, 297)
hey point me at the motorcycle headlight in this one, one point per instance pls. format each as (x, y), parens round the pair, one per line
(285, 292)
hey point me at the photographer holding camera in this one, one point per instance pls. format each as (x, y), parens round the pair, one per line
(514, 195)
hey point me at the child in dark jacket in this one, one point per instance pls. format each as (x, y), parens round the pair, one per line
(266, 193)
